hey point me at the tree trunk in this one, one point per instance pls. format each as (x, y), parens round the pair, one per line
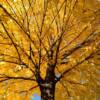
(47, 92)
(48, 86)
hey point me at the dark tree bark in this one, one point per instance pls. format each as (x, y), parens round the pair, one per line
(48, 91)
(48, 86)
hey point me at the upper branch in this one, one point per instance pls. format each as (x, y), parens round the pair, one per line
(84, 56)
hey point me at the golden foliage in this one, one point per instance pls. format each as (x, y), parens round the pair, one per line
(22, 27)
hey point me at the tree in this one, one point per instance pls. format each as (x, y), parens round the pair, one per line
(53, 45)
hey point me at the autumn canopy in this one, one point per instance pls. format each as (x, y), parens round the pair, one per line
(50, 48)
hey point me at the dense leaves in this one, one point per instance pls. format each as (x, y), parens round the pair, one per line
(42, 40)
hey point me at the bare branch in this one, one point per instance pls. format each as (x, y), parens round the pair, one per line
(30, 89)
(12, 41)
(6, 77)
(88, 57)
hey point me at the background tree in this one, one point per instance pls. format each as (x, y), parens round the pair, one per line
(49, 45)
